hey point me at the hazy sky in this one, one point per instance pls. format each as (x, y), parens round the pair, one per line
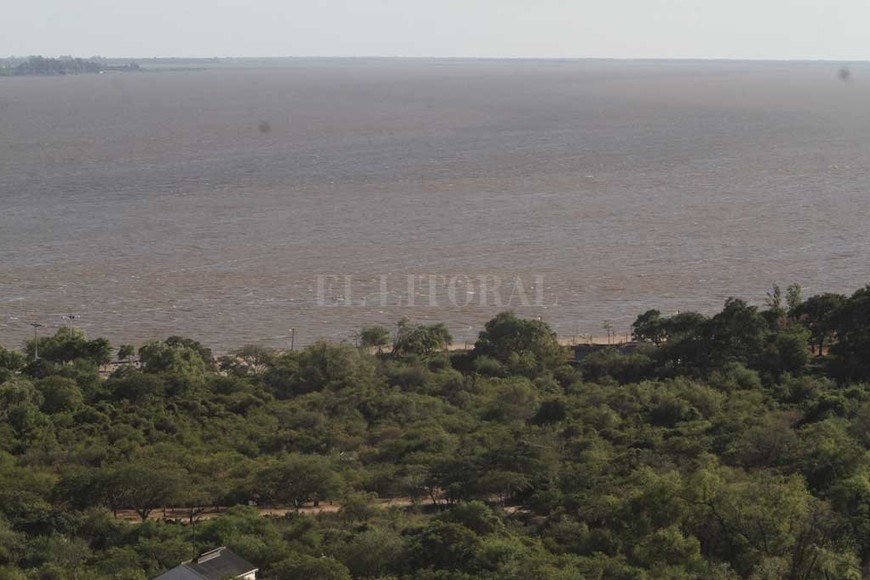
(797, 29)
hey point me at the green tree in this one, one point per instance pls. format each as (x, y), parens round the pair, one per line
(126, 351)
(175, 357)
(648, 327)
(786, 352)
(298, 479)
(829, 454)
(301, 566)
(374, 337)
(134, 385)
(622, 367)
(142, 486)
(69, 344)
(508, 339)
(421, 339)
(514, 399)
(12, 544)
(67, 554)
(474, 515)
(736, 334)
(17, 391)
(764, 521)
(447, 546)
(817, 314)
(59, 394)
(323, 366)
(373, 553)
(793, 298)
(776, 311)
(680, 326)
(851, 353)
(11, 360)
(851, 497)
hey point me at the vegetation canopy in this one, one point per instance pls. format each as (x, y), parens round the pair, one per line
(712, 447)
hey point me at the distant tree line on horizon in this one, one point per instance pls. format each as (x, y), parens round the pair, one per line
(41, 66)
(718, 447)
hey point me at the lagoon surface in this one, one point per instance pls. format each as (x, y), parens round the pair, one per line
(211, 203)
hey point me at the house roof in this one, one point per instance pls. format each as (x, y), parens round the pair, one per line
(217, 564)
(179, 573)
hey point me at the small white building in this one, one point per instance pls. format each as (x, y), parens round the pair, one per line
(219, 564)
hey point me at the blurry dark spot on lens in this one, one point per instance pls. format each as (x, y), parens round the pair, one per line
(264, 127)
(844, 74)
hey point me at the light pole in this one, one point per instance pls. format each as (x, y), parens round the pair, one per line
(609, 328)
(36, 326)
(70, 317)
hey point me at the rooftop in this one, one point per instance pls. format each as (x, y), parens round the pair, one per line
(218, 564)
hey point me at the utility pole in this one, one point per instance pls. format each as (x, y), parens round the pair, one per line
(195, 549)
(609, 328)
(36, 326)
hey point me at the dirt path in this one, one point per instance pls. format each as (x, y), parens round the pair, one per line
(182, 515)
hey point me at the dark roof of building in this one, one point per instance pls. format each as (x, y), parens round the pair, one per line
(217, 564)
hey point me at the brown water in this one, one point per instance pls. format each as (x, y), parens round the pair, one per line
(208, 203)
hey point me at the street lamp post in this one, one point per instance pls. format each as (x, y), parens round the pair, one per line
(36, 326)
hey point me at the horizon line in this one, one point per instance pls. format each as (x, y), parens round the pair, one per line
(469, 58)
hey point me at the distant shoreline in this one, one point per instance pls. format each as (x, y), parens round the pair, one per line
(17, 67)
(37, 66)
(184, 62)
